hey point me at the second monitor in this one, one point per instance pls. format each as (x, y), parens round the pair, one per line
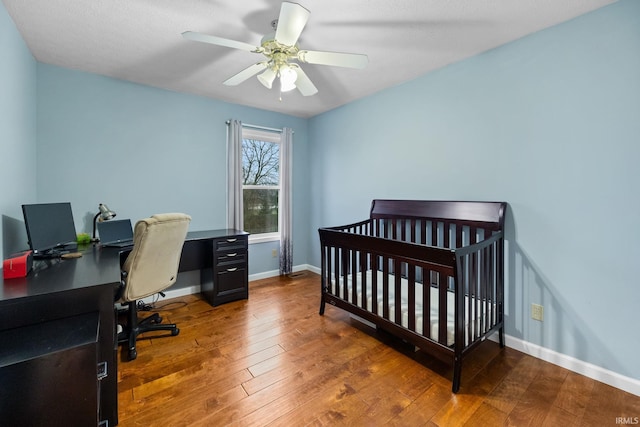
(116, 233)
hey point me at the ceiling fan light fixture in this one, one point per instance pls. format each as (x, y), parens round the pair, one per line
(282, 53)
(267, 78)
(288, 78)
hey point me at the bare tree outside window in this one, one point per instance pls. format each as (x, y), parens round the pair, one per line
(261, 185)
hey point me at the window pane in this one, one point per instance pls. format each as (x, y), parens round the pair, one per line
(260, 211)
(260, 162)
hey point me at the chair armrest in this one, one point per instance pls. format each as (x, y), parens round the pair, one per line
(123, 274)
(123, 256)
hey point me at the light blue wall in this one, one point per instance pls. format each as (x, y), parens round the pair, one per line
(17, 133)
(550, 124)
(143, 150)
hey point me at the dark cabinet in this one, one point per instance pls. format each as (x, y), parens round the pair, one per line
(228, 279)
(51, 372)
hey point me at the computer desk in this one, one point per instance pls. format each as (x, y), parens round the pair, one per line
(49, 374)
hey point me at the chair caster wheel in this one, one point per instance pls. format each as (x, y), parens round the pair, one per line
(157, 319)
(133, 354)
(175, 332)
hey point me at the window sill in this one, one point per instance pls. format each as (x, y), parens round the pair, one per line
(263, 238)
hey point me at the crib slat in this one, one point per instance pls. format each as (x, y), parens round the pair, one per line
(397, 293)
(481, 291)
(426, 303)
(482, 285)
(473, 235)
(491, 284)
(434, 233)
(330, 251)
(488, 286)
(442, 308)
(477, 301)
(374, 283)
(493, 281)
(468, 292)
(385, 287)
(363, 274)
(459, 232)
(324, 262)
(403, 230)
(413, 230)
(489, 289)
(354, 277)
(446, 231)
(340, 264)
(411, 289)
(336, 268)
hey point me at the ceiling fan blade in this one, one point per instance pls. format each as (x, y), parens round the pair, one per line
(349, 60)
(291, 22)
(304, 84)
(204, 38)
(245, 74)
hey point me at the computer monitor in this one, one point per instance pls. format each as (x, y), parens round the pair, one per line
(50, 227)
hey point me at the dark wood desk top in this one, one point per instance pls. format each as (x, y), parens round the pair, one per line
(97, 266)
(213, 234)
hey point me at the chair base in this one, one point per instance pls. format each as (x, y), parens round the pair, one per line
(136, 327)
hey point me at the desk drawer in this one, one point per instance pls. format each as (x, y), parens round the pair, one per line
(231, 244)
(231, 256)
(231, 282)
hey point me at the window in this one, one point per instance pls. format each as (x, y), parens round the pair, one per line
(261, 183)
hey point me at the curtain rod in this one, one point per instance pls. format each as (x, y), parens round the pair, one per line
(247, 125)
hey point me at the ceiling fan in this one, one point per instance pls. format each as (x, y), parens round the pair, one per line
(281, 51)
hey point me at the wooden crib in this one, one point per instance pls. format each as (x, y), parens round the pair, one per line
(429, 272)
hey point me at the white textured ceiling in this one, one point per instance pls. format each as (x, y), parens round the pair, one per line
(140, 40)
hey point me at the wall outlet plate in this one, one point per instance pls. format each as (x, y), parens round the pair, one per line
(537, 312)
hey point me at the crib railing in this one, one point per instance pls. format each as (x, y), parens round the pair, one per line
(462, 261)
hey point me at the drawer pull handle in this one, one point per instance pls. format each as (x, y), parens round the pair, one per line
(232, 269)
(232, 255)
(231, 240)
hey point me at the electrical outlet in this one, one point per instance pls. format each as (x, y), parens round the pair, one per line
(537, 312)
(274, 253)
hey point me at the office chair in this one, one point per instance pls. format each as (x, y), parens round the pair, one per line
(149, 268)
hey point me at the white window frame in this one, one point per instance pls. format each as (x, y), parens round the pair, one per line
(267, 136)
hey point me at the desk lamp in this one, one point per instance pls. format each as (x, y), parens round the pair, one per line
(104, 214)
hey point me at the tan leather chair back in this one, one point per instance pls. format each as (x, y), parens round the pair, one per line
(152, 265)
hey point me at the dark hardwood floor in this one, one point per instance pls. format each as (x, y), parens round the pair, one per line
(272, 360)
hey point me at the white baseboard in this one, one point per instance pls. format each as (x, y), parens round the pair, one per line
(628, 384)
(313, 269)
(174, 293)
(274, 273)
(195, 289)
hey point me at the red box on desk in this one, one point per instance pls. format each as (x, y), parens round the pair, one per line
(17, 265)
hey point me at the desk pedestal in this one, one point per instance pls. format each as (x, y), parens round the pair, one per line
(226, 278)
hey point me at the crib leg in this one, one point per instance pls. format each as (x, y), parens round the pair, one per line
(457, 371)
(501, 336)
(322, 302)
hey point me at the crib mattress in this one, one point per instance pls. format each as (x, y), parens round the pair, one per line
(346, 293)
